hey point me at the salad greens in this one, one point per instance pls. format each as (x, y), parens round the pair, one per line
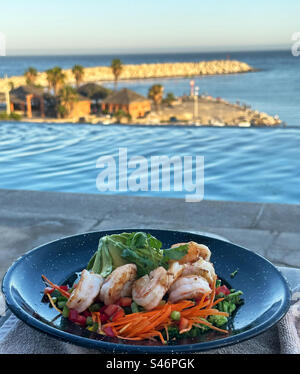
(234, 273)
(230, 302)
(137, 247)
(229, 305)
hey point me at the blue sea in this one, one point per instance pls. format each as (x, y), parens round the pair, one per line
(240, 164)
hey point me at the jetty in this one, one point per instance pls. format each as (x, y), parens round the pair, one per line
(143, 71)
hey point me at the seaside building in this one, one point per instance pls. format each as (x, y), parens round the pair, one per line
(33, 101)
(96, 93)
(80, 108)
(128, 101)
(28, 99)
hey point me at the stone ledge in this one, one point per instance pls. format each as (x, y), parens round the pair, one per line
(31, 218)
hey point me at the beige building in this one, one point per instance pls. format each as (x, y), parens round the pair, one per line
(128, 101)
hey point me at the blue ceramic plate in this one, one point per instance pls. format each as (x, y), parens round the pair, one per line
(266, 293)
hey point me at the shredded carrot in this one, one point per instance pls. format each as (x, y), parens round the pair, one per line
(147, 325)
(187, 329)
(53, 304)
(98, 321)
(218, 301)
(182, 305)
(63, 292)
(203, 298)
(124, 328)
(161, 317)
(167, 331)
(210, 325)
(213, 294)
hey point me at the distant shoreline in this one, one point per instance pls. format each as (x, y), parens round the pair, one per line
(209, 111)
(144, 71)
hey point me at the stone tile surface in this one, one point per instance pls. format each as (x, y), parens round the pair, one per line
(31, 218)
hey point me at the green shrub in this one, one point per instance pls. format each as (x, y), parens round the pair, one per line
(13, 116)
(3, 115)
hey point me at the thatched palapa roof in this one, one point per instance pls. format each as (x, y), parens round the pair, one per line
(19, 94)
(124, 97)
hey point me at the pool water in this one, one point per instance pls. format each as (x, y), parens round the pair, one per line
(240, 164)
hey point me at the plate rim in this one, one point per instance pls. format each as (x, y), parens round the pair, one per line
(130, 348)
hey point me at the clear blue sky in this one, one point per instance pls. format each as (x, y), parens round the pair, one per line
(147, 26)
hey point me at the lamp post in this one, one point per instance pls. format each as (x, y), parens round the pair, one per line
(196, 103)
(192, 84)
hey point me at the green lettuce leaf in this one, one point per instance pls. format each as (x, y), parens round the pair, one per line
(139, 248)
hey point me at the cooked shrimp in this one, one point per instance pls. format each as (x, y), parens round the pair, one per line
(188, 287)
(174, 272)
(200, 267)
(195, 251)
(127, 289)
(86, 291)
(118, 283)
(149, 290)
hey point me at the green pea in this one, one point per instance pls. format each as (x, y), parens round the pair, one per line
(175, 315)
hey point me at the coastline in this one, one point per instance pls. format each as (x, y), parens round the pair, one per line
(210, 112)
(214, 112)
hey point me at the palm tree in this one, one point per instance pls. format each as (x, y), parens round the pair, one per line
(67, 97)
(30, 75)
(117, 68)
(169, 99)
(156, 94)
(56, 79)
(78, 72)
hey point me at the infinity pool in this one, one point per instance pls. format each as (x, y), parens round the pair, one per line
(258, 165)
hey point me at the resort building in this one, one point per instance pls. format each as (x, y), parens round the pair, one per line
(28, 99)
(32, 101)
(81, 107)
(128, 101)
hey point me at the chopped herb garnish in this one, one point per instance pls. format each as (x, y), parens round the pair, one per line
(233, 274)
